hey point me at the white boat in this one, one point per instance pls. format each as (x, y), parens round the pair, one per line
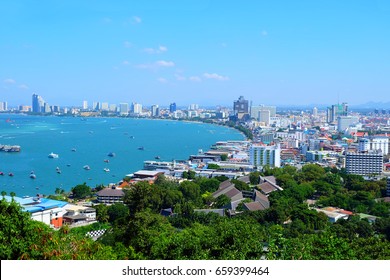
(53, 155)
(86, 167)
(106, 170)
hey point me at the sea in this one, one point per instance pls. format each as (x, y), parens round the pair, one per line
(79, 142)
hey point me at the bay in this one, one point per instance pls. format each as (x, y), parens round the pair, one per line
(80, 142)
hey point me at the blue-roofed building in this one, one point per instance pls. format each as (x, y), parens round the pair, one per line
(48, 211)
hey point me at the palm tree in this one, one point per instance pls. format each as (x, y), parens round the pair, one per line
(12, 194)
(3, 193)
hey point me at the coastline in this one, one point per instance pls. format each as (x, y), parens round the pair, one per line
(120, 132)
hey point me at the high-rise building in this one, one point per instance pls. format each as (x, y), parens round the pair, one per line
(333, 112)
(240, 106)
(364, 163)
(123, 108)
(315, 112)
(113, 107)
(264, 116)
(375, 143)
(254, 111)
(155, 111)
(193, 107)
(344, 122)
(172, 107)
(262, 155)
(136, 108)
(3, 106)
(85, 105)
(37, 104)
(104, 106)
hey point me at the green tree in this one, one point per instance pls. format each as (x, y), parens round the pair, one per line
(81, 191)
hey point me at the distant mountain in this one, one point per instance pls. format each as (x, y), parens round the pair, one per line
(374, 105)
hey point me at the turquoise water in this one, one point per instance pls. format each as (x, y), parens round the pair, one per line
(93, 139)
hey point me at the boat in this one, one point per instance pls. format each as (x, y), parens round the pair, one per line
(33, 176)
(132, 137)
(1, 173)
(11, 174)
(106, 160)
(157, 157)
(86, 167)
(141, 148)
(68, 164)
(111, 154)
(106, 170)
(73, 149)
(59, 171)
(53, 155)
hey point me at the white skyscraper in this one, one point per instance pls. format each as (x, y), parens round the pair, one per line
(265, 116)
(137, 108)
(85, 105)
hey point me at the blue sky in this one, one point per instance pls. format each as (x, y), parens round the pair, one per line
(195, 51)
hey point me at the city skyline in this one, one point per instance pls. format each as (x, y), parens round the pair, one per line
(202, 52)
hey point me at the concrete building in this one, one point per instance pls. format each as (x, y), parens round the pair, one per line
(3, 106)
(254, 110)
(265, 117)
(333, 112)
(85, 105)
(37, 104)
(344, 122)
(364, 163)
(172, 107)
(388, 187)
(261, 155)
(376, 143)
(123, 108)
(136, 108)
(155, 111)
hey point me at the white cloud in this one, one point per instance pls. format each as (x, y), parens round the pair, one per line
(23, 87)
(137, 20)
(162, 80)
(9, 81)
(215, 76)
(160, 49)
(195, 79)
(164, 63)
(264, 33)
(156, 65)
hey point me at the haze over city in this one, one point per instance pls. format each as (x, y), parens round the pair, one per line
(206, 52)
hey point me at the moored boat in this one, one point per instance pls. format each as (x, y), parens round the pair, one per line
(53, 155)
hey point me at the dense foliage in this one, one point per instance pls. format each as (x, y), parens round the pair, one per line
(289, 229)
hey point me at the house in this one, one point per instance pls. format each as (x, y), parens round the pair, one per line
(333, 216)
(77, 214)
(227, 188)
(271, 180)
(48, 211)
(110, 195)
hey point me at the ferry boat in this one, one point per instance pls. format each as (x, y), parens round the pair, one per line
(53, 155)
